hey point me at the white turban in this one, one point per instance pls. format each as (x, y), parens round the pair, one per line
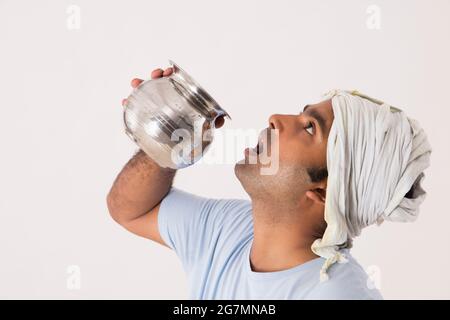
(376, 156)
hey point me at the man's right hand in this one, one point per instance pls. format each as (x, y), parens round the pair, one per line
(138, 190)
(157, 73)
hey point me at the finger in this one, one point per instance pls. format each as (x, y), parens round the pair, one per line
(124, 102)
(168, 72)
(218, 123)
(135, 82)
(157, 73)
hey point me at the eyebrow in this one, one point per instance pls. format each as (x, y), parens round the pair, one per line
(317, 116)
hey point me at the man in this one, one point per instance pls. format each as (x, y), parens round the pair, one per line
(343, 164)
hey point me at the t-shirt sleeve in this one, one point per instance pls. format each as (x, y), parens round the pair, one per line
(191, 225)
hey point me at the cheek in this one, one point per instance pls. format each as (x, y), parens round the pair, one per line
(302, 152)
(293, 151)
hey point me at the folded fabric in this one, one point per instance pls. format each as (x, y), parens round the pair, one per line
(376, 156)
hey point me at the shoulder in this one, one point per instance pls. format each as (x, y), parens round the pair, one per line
(233, 217)
(347, 281)
(209, 210)
(183, 198)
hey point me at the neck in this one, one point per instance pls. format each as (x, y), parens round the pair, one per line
(283, 236)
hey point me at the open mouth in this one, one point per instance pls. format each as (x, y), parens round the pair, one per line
(261, 146)
(264, 141)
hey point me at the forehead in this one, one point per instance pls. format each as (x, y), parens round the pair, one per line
(324, 108)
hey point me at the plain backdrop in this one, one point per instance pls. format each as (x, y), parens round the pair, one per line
(62, 139)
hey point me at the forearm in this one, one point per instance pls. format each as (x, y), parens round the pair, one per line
(138, 188)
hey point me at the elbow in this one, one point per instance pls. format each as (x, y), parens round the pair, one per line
(112, 209)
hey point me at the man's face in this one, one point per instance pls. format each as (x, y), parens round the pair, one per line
(302, 145)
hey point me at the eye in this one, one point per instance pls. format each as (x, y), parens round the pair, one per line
(310, 126)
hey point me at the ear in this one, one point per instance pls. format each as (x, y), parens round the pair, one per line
(317, 195)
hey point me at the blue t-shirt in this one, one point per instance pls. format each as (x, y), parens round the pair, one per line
(213, 238)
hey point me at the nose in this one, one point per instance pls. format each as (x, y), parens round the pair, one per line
(275, 121)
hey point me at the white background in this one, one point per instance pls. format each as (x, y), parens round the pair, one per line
(62, 141)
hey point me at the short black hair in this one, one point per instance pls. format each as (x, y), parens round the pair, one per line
(317, 174)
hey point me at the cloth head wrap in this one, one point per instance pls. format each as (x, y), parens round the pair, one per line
(376, 156)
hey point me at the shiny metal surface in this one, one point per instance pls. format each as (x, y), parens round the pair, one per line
(172, 119)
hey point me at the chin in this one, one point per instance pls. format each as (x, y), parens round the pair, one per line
(238, 168)
(243, 168)
(250, 177)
